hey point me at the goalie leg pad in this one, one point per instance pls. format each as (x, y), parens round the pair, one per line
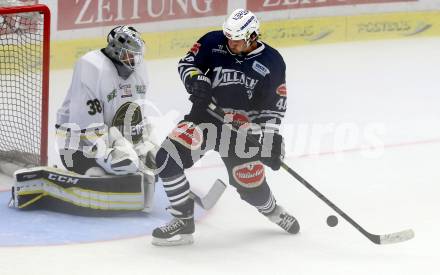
(51, 187)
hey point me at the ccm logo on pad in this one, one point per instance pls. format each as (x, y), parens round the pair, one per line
(63, 179)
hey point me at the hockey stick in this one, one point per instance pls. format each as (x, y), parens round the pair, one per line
(377, 239)
(207, 201)
(211, 198)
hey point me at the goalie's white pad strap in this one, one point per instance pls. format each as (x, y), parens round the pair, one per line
(103, 193)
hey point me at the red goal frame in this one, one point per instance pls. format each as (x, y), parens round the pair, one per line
(43, 9)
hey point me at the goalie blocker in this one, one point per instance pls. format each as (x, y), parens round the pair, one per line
(60, 190)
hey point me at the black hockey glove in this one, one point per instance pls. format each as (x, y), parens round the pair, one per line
(199, 86)
(272, 153)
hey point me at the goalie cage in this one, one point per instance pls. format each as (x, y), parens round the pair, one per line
(24, 86)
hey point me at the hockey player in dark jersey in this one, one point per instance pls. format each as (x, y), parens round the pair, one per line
(245, 77)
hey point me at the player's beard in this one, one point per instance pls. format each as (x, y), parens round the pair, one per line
(243, 49)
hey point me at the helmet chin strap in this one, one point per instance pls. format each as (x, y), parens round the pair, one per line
(248, 44)
(252, 38)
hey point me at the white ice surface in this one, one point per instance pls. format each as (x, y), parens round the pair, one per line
(393, 84)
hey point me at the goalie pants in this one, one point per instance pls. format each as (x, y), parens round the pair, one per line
(189, 142)
(75, 161)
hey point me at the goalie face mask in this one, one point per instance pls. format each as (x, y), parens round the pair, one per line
(126, 46)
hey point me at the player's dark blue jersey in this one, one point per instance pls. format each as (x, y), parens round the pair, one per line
(252, 85)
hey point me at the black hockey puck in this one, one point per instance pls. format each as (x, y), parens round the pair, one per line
(332, 221)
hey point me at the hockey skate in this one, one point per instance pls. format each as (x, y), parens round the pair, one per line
(284, 220)
(179, 230)
(176, 232)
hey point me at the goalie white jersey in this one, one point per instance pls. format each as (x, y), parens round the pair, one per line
(99, 98)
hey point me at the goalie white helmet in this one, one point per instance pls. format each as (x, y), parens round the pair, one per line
(125, 45)
(242, 24)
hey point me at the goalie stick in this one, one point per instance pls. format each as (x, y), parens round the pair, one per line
(391, 238)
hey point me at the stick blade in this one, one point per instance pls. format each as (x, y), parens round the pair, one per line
(397, 237)
(214, 194)
(211, 198)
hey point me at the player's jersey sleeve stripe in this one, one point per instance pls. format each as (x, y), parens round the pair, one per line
(267, 116)
(185, 73)
(253, 113)
(184, 64)
(270, 127)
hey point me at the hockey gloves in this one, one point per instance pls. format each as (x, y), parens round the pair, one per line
(199, 86)
(272, 150)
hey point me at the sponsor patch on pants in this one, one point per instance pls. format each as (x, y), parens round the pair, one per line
(250, 174)
(188, 134)
(239, 119)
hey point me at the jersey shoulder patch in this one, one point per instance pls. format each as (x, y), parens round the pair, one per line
(260, 68)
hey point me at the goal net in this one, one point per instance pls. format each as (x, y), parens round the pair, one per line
(24, 79)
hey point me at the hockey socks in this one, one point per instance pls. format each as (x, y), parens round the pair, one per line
(177, 189)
